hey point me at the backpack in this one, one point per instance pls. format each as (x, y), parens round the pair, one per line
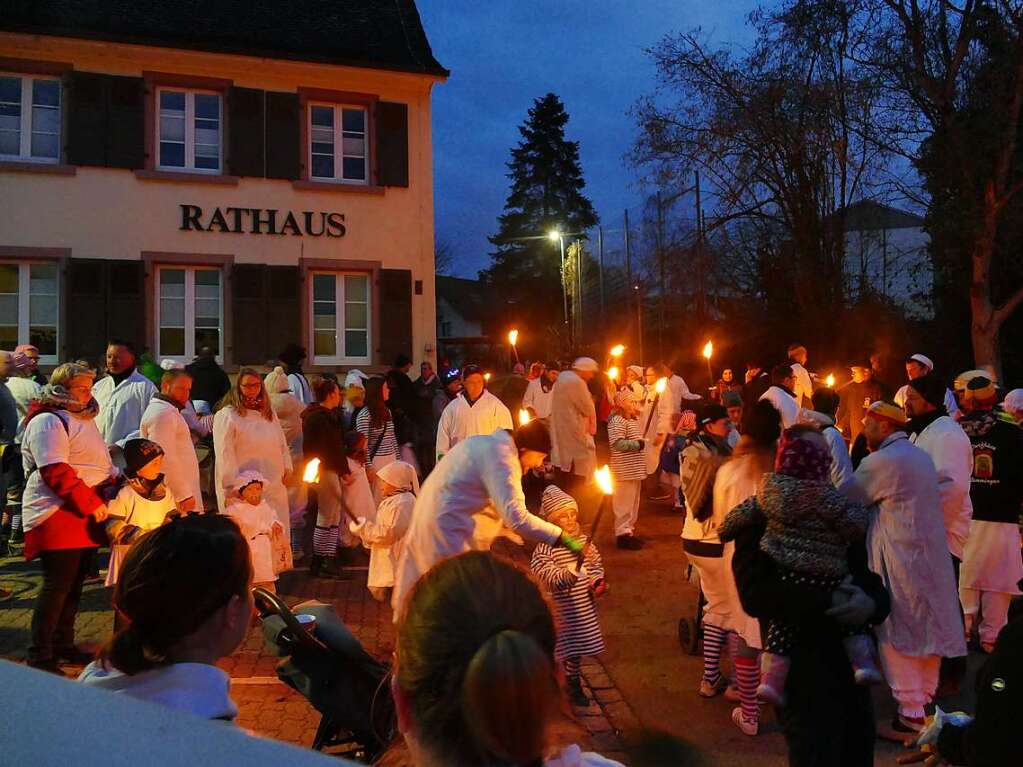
(699, 466)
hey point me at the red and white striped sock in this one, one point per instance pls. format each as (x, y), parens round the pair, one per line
(747, 679)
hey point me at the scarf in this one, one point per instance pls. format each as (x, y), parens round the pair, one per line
(56, 397)
(150, 489)
(802, 459)
(253, 403)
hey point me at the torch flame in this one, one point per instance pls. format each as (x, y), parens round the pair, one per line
(613, 374)
(831, 380)
(708, 349)
(524, 417)
(603, 477)
(661, 385)
(486, 377)
(311, 474)
(617, 351)
(513, 337)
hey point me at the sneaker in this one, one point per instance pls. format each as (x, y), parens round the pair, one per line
(576, 695)
(629, 542)
(774, 670)
(709, 690)
(860, 651)
(747, 726)
(732, 694)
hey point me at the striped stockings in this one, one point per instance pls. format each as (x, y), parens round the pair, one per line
(714, 639)
(747, 678)
(325, 541)
(573, 667)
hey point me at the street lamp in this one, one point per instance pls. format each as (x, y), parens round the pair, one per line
(556, 236)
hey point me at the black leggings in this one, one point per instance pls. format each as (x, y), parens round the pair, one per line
(53, 620)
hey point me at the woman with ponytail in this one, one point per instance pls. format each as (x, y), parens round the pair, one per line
(185, 592)
(475, 682)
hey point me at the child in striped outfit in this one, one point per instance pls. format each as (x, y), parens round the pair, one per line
(572, 588)
(628, 465)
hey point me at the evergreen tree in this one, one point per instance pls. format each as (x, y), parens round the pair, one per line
(546, 193)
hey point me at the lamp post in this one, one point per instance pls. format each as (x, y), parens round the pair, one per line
(556, 235)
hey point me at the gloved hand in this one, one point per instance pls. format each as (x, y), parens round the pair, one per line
(356, 527)
(600, 587)
(572, 544)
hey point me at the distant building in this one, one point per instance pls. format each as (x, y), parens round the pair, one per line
(231, 174)
(464, 311)
(886, 254)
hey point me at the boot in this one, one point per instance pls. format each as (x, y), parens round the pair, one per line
(574, 687)
(774, 670)
(859, 648)
(321, 567)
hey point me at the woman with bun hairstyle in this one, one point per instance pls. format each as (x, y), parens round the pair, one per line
(475, 681)
(185, 590)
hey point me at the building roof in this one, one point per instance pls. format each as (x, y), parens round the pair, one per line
(868, 215)
(467, 297)
(381, 34)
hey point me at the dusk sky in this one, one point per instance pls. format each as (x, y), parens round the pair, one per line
(504, 54)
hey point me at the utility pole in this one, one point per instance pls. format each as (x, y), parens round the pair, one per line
(628, 280)
(660, 261)
(600, 275)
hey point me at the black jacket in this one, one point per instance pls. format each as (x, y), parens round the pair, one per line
(996, 488)
(209, 381)
(323, 437)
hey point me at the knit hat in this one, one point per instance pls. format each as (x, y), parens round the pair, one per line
(246, 478)
(26, 348)
(139, 452)
(450, 376)
(637, 369)
(586, 365)
(554, 499)
(931, 388)
(623, 396)
(169, 364)
(885, 411)
(731, 399)
(981, 390)
(276, 381)
(355, 378)
(1014, 401)
(533, 436)
(965, 377)
(713, 412)
(401, 475)
(922, 359)
(802, 458)
(21, 361)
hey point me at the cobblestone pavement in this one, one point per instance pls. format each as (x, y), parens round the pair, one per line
(269, 708)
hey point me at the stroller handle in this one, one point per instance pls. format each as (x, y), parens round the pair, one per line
(269, 603)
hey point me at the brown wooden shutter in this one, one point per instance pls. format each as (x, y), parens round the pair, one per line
(126, 122)
(395, 296)
(248, 314)
(86, 119)
(245, 138)
(392, 143)
(86, 309)
(283, 135)
(126, 302)
(283, 309)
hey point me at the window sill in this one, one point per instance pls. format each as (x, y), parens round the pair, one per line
(25, 166)
(186, 178)
(329, 186)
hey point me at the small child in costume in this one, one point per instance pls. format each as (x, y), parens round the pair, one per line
(257, 520)
(358, 496)
(142, 504)
(628, 464)
(573, 589)
(399, 486)
(810, 526)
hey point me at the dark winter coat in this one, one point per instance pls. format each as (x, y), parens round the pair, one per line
(996, 488)
(323, 437)
(209, 381)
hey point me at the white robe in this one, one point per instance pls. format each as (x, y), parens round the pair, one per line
(952, 455)
(790, 411)
(841, 464)
(300, 388)
(660, 425)
(538, 399)
(460, 420)
(163, 424)
(250, 441)
(385, 538)
(804, 386)
(23, 390)
(573, 424)
(463, 506)
(256, 523)
(906, 546)
(288, 409)
(121, 406)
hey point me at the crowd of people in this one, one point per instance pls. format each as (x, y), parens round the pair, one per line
(842, 536)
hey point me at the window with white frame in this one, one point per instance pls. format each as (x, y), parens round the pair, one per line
(29, 118)
(30, 307)
(189, 311)
(189, 130)
(338, 150)
(340, 317)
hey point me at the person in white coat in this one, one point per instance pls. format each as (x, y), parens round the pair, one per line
(247, 436)
(906, 546)
(539, 395)
(573, 424)
(932, 430)
(292, 358)
(781, 395)
(473, 412)
(385, 536)
(680, 392)
(164, 424)
(123, 395)
(288, 409)
(825, 402)
(803, 388)
(918, 365)
(469, 498)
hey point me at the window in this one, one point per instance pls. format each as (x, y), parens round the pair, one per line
(337, 143)
(29, 118)
(30, 307)
(189, 311)
(340, 312)
(189, 130)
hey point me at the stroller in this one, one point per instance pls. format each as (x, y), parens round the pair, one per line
(330, 668)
